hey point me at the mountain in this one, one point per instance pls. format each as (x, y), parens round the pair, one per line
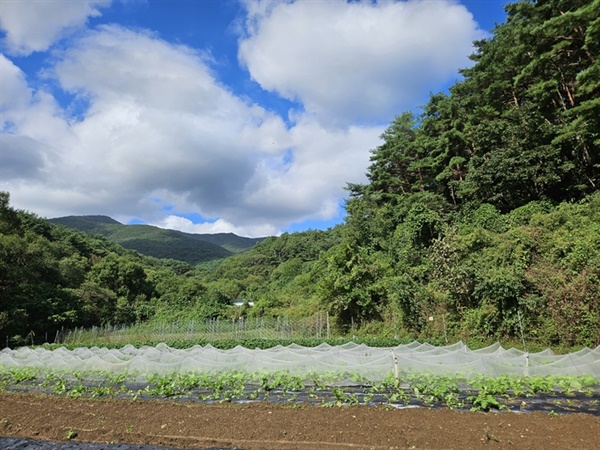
(161, 243)
(87, 224)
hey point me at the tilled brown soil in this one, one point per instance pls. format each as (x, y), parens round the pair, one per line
(270, 426)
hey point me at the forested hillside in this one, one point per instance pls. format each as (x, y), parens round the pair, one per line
(160, 243)
(465, 214)
(480, 218)
(53, 277)
(480, 211)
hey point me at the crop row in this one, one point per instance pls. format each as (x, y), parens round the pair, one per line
(564, 393)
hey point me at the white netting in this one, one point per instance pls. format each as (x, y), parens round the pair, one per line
(372, 363)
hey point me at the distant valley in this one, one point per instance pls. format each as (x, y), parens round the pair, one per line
(161, 243)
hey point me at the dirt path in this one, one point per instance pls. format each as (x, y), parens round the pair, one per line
(269, 426)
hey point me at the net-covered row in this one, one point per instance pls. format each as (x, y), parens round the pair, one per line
(373, 363)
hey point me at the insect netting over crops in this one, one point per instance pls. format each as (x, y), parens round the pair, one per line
(372, 363)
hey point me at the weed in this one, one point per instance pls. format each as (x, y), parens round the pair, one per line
(71, 434)
(488, 436)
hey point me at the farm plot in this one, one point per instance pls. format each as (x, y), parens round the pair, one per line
(266, 426)
(400, 377)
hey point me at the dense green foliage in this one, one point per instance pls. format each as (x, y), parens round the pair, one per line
(459, 219)
(474, 271)
(480, 219)
(480, 216)
(52, 277)
(278, 274)
(42, 267)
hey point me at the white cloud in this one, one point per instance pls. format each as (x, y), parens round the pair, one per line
(160, 126)
(32, 25)
(31, 124)
(20, 157)
(311, 183)
(162, 137)
(174, 222)
(14, 93)
(356, 61)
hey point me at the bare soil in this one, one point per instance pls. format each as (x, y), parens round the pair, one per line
(271, 426)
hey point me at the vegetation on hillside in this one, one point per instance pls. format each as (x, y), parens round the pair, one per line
(480, 218)
(53, 277)
(460, 217)
(160, 243)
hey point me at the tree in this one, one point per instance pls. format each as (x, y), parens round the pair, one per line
(533, 85)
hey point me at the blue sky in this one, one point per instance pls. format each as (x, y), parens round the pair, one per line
(244, 116)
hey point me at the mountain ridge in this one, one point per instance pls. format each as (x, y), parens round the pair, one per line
(192, 248)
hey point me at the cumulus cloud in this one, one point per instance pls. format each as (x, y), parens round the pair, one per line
(31, 126)
(21, 105)
(161, 137)
(15, 95)
(160, 126)
(180, 223)
(21, 157)
(32, 26)
(361, 60)
(310, 180)
(159, 120)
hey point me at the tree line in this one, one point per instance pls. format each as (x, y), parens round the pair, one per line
(53, 277)
(480, 218)
(482, 212)
(483, 209)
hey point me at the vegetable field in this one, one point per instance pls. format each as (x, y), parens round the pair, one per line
(404, 376)
(294, 397)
